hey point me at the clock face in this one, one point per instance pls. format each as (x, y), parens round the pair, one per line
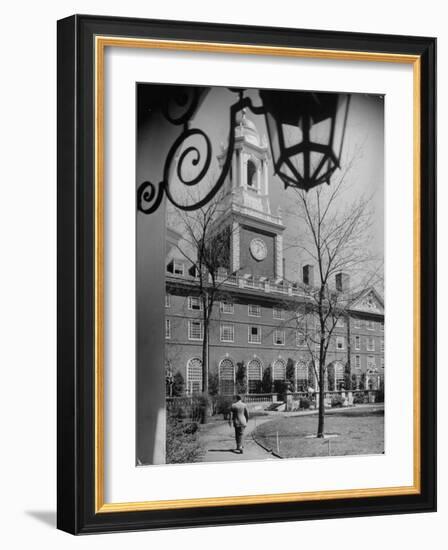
(258, 249)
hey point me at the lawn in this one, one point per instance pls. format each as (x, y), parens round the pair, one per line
(357, 432)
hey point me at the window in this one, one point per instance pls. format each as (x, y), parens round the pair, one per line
(195, 330)
(251, 175)
(278, 313)
(382, 344)
(382, 363)
(178, 268)
(371, 362)
(226, 377)
(253, 310)
(254, 335)
(338, 370)
(300, 339)
(340, 342)
(227, 333)
(340, 322)
(254, 375)
(357, 342)
(370, 325)
(382, 326)
(167, 328)
(194, 303)
(357, 322)
(194, 376)
(370, 343)
(167, 300)
(301, 375)
(279, 370)
(226, 307)
(279, 337)
(357, 362)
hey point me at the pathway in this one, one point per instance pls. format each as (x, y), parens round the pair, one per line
(219, 442)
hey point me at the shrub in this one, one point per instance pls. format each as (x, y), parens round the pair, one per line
(199, 407)
(178, 384)
(178, 411)
(330, 379)
(213, 383)
(290, 372)
(240, 379)
(337, 401)
(360, 398)
(223, 404)
(379, 398)
(281, 387)
(266, 382)
(182, 442)
(305, 403)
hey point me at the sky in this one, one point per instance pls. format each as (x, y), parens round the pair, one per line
(364, 141)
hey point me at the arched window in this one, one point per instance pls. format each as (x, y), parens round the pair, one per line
(194, 376)
(279, 370)
(337, 372)
(254, 375)
(227, 377)
(252, 182)
(301, 375)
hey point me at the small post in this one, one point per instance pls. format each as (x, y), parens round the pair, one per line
(278, 446)
(329, 447)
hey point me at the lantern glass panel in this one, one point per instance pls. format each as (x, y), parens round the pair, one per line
(292, 170)
(317, 163)
(297, 162)
(292, 135)
(340, 123)
(320, 132)
(273, 137)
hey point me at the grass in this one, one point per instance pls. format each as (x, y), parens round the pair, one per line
(358, 433)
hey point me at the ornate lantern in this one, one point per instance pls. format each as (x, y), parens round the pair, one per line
(306, 134)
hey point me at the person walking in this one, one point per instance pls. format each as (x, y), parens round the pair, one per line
(239, 417)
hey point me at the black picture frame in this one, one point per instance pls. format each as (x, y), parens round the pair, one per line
(76, 475)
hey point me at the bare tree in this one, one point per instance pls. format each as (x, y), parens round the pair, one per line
(205, 244)
(334, 236)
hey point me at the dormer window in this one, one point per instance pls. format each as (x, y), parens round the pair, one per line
(178, 268)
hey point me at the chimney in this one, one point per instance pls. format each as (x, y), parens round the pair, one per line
(308, 274)
(342, 282)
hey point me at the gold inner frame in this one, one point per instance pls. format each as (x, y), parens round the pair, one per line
(101, 42)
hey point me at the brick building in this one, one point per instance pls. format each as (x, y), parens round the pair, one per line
(256, 325)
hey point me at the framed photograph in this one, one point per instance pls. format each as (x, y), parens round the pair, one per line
(246, 274)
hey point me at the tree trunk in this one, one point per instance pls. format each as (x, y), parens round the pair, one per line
(204, 415)
(205, 361)
(320, 425)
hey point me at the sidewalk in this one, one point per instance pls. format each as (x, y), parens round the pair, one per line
(218, 439)
(219, 442)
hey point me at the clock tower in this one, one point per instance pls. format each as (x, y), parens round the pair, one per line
(256, 242)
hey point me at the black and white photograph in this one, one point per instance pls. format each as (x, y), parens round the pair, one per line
(274, 313)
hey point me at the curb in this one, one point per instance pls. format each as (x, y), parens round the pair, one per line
(267, 449)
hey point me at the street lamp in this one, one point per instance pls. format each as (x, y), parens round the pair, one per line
(306, 135)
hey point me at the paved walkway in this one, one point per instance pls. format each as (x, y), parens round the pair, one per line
(218, 439)
(219, 442)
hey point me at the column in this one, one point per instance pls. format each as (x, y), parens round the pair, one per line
(279, 256)
(265, 177)
(235, 247)
(242, 181)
